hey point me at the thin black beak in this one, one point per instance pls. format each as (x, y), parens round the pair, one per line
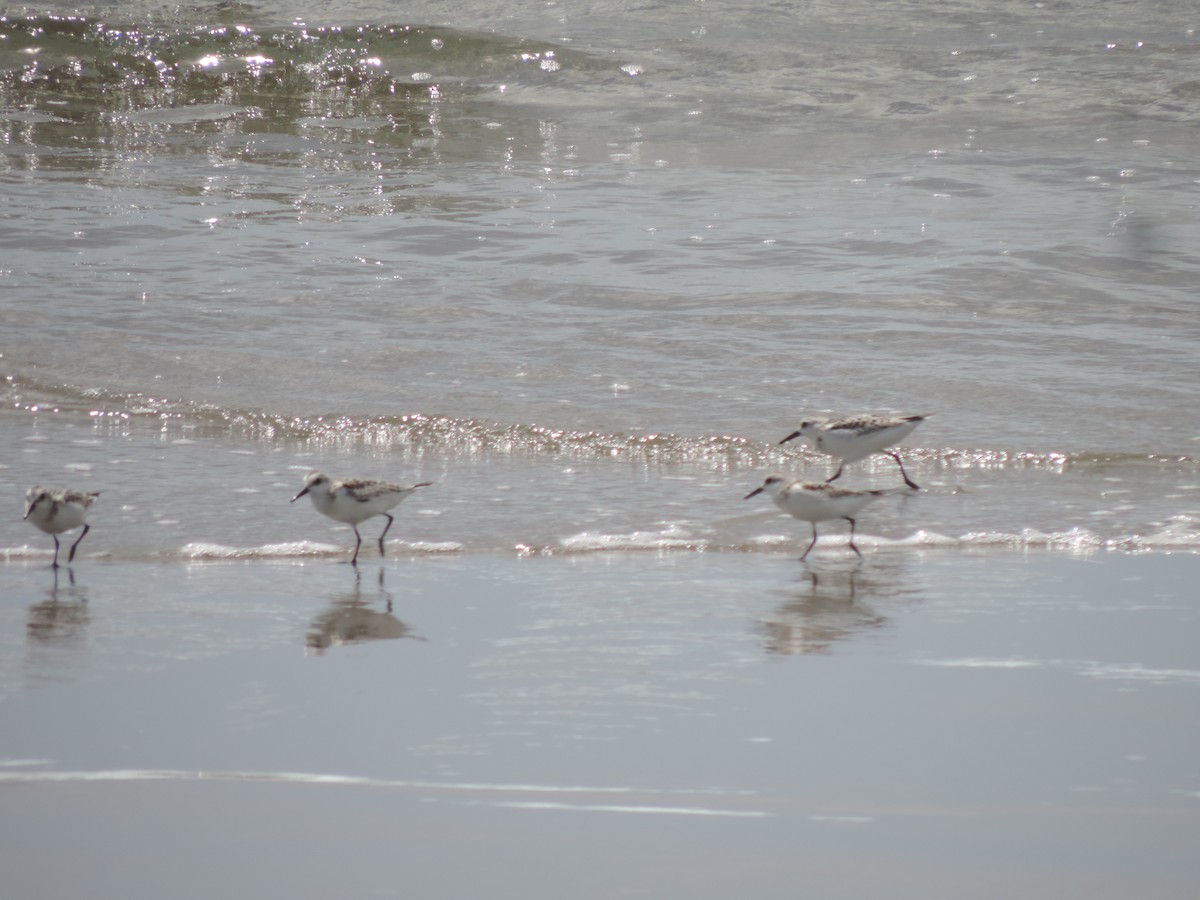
(299, 495)
(753, 493)
(790, 437)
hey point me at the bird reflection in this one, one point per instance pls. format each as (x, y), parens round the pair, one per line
(64, 617)
(349, 620)
(819, 614)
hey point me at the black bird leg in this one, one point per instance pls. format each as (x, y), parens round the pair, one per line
(385, 531)
(813, 544)
(896, 456)
(852, 546)
(86, 529)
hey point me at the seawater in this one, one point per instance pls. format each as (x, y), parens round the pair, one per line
(594, 726)
(583, 265)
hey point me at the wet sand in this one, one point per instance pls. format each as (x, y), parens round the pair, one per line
(923, 724)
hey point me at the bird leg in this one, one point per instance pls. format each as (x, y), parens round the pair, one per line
(813, 544)
(71, 557)
(385, 531)
(54, 565)
(896, 456)
(358, 543)
(836, 475)
(852, 547)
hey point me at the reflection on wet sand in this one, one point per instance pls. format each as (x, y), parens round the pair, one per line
(64, 617)
(827, 608)
(350, 621)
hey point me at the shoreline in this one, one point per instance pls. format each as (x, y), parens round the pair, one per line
(989, 719)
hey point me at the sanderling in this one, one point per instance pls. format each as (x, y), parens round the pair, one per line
(355, 501)
(56, 511)
(816, 503)
(855, 437)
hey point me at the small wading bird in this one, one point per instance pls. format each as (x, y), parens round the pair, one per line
(816, 503)
(56, 511)
(355, 501)
(853, 438)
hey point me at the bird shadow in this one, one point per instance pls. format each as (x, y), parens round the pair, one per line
(350, 619)
(831, 605)
(64, 616)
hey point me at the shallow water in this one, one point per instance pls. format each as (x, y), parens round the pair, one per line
(927, 722)
(501, 249)
(582, 266)
(186, 484)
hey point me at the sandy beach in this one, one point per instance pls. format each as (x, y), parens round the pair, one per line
(920, 725)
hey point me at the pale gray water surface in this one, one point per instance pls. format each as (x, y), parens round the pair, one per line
(582, 266)
(597, 726)
(505, 249)
(690, 219)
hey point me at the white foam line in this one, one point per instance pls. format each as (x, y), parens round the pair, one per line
(305, 778)
(286, 777)
(643, 810)
(1139, 673)
(980, 663)
(1103, 671)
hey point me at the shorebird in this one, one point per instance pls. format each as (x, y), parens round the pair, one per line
(852, 438)
(815, 503)
(55, 511)
(355, 501)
